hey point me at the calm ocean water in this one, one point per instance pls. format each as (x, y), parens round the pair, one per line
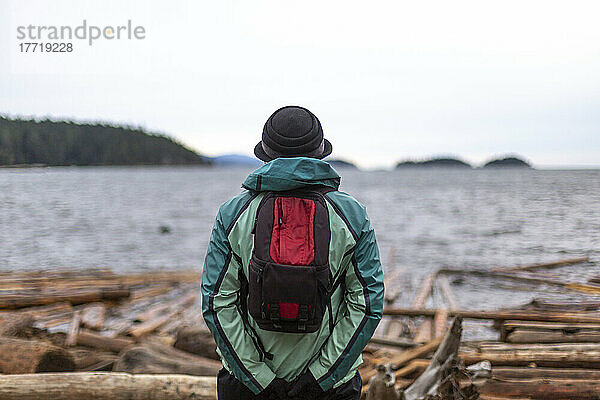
(424, 220)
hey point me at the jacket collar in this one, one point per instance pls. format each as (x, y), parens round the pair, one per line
(292, 173)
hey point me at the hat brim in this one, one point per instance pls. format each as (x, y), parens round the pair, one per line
(260, 152)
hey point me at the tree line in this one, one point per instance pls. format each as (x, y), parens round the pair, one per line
(68, 143)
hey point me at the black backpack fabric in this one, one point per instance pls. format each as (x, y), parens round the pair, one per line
(289, 277)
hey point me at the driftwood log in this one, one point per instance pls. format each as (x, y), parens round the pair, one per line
(151, 325)
(423, 332)
(412, 369)
(159, 315)
(525, 315)
(529, 278)
(196, 340)
(90, 360)
(439, 367)
(403, 358)
(554, 264)
(548, 332)
(100, 342)
(440, 323)
(552, 305)
(392, 289)
(446, 290)
(27, 356)
(73, 329)
(391, 277)
(552, 336)
(75, 297)
(152, 291)
(82, 281)
(162, 308)
(40, 311)
(572, 355)
(106, 386)
(542, 389)
(392, 342)
(382, 385)
(93, 316)
(16, 325)
(540, 373)
(159, 359)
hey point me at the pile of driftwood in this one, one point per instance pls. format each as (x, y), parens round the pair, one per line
(546, 349)
(443, 377)
(108, 331)
(95, 334)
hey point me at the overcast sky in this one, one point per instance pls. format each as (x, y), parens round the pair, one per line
(388, 80)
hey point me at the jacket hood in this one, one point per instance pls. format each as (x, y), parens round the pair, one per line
(292, 173)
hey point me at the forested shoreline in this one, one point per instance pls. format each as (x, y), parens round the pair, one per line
(57, 143)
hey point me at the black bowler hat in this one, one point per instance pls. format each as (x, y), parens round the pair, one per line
(292, 131)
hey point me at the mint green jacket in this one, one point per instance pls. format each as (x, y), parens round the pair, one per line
(256, 356)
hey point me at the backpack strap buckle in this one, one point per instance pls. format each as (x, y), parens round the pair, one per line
(274, 314)
(302, 316)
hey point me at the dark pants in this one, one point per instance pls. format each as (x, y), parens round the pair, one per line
(229, 388)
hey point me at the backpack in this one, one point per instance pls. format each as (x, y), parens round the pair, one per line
(289, 278)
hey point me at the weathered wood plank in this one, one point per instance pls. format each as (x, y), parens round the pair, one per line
(106, 386)
(526, 315)
(553, 264)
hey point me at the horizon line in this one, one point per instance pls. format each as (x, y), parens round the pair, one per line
(159, 132)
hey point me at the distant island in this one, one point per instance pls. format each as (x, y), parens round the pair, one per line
(236, 160)
(341, 164)
(56, 143)
(434, 162)
(507, 162)
(449, 162)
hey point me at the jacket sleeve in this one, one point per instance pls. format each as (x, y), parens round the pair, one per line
(220, 287)
(364, 301)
